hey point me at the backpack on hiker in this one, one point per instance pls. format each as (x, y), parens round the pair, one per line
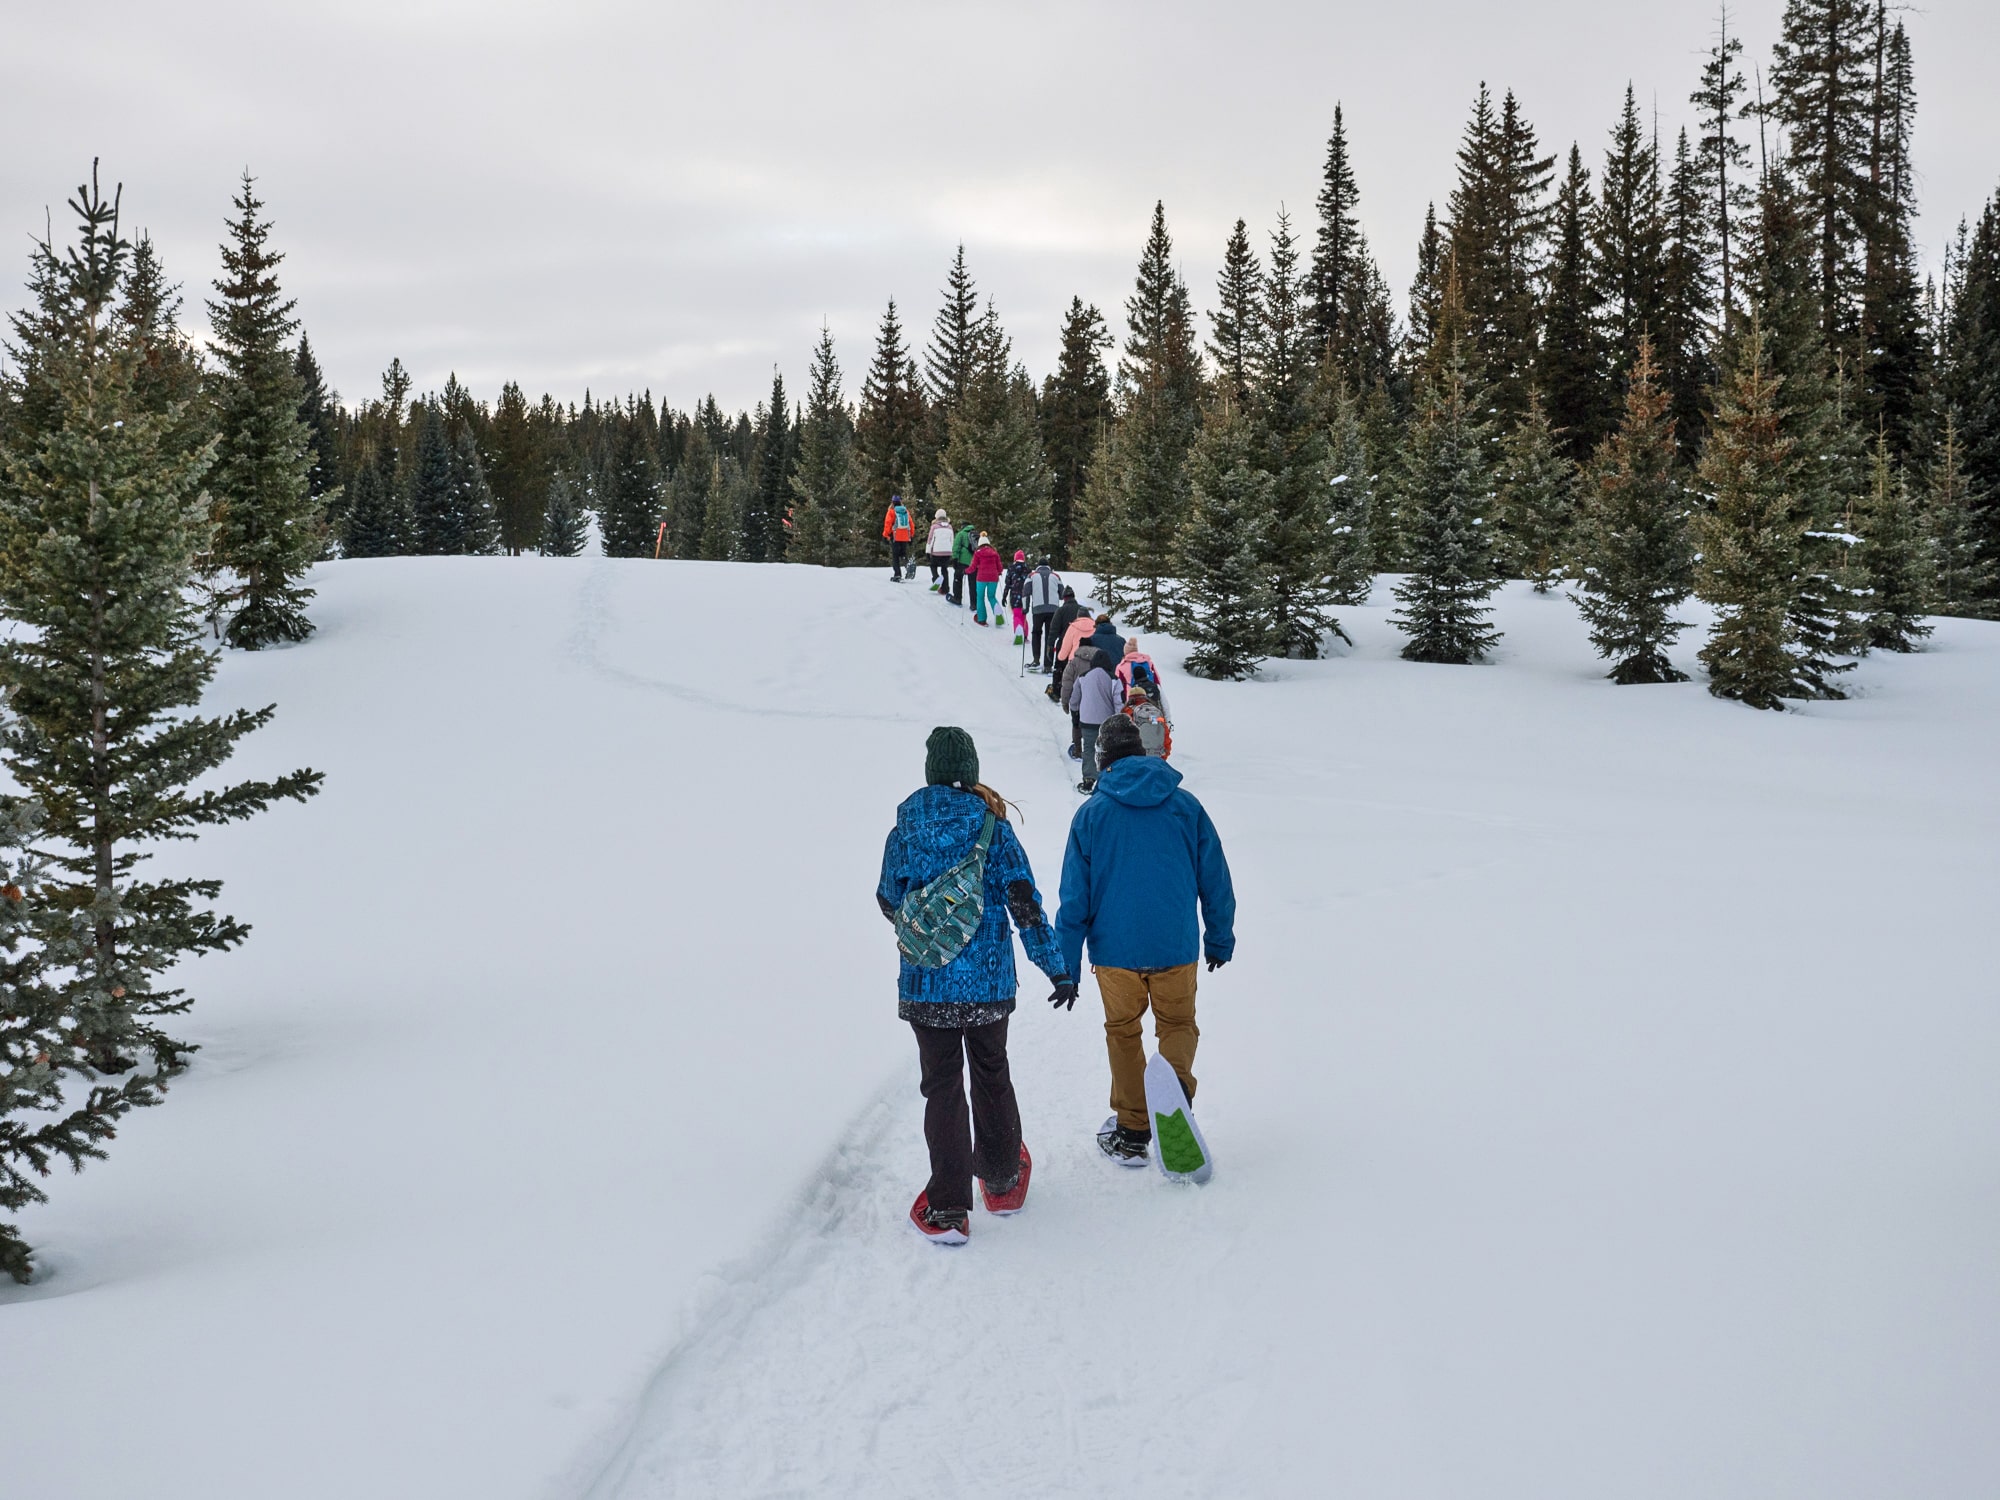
(1156, 734)
(935, 921)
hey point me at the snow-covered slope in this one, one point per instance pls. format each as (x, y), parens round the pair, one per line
(1602, 1096)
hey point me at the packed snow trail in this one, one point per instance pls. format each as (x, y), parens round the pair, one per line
(1603, 1093)
(1603, 1088)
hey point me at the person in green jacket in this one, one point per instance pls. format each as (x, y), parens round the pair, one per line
(961, 559)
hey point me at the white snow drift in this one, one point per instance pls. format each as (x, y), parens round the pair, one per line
(1603, 1096)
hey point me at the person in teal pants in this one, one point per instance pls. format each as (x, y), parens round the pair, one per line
(986, 571)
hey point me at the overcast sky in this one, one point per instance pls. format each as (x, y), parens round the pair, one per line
(631, 196)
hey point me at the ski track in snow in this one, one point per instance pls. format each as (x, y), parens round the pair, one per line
(1602, 1089)
(1128, 1336)
(845, 1304)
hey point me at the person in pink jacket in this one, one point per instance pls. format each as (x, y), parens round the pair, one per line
(1139, 670)
(986, 571)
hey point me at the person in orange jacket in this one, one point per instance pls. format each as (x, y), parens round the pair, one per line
(897, 529)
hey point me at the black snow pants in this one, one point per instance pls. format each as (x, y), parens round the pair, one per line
(987, 1143)
(1043, 646)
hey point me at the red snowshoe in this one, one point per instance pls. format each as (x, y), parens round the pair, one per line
(947, 1226)
(1011, 1201)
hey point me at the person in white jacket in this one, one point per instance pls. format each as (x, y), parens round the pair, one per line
(937, 550)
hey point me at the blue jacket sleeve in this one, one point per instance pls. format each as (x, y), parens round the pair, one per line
(1008, 864)
(1218, 894)
(894, 884)
(1073, 916)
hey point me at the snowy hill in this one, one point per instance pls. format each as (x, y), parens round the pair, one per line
(1603, 1095)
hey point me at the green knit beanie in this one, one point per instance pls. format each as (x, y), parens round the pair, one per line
(950, 758)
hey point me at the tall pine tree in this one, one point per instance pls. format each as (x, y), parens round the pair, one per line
(1075, 407)
(266, 519)
(1575, 363)
(101, 517)
(827, 505)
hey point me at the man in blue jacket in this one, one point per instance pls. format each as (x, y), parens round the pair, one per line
(1142, 855)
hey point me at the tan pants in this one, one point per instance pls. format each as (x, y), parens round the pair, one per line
(1127, 993)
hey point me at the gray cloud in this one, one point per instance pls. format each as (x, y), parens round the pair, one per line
(672, 197)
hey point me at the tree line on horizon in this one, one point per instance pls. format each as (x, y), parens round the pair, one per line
(1692, 369)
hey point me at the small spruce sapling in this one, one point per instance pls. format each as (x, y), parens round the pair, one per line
(1224, 604)
(1448, 486)
(1897, 554)
(1537, 500)
(1634, 560)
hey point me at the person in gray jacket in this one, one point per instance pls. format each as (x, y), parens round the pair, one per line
(1099, 696)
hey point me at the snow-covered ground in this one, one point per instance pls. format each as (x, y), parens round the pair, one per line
(1603, 1095)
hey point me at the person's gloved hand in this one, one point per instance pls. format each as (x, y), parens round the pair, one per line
(1216, 963)
(1065, 995)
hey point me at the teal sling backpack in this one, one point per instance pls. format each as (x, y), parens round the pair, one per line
(936, 920)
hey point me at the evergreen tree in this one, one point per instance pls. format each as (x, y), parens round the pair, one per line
(1575, 365)
(520, 473)
(1965, 577)
(688, 495)
(438, 528)
(1347, 324)
(38, 1127)
(101, 517)
(1137, 499)
(1629, 236)
(1075, 406)
(769, 500)
(266, 518)
(722, 519)
(1723, 163)
(1898, 555)
(1826, 480)
(472, 498)
(993, 473)
(317, 409)
(629, 515)
(1426, 291)
(1448, 485)
(1499, 227)
(1160, 333)
(1894, 334)
(1351, 503)
(1681, 339)
(1971, 388)
(1634, 560)
(827, 505)
(1238, 317)
(1748, 536)
(565, 526)
(1306, 570)
(1820, 92)
(377, 523)
(1537, 501)
(1223, 607)
(889, 425)
(957, 348)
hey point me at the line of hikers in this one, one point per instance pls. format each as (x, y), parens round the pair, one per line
(1095, 675)
(1145, 889)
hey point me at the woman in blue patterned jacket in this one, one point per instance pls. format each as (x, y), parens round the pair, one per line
(959, 1011)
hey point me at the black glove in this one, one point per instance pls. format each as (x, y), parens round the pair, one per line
(1065, 996)
(1216, 963)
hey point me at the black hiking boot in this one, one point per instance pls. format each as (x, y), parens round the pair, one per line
(1129, 1148)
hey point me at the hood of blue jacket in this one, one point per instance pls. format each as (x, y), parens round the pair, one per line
(1138, 781)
